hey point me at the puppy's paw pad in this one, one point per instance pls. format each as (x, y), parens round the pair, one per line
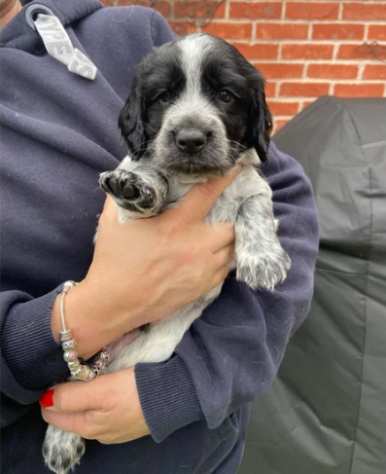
(120, 183)
(128, 188)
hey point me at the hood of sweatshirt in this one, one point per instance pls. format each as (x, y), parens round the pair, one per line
(20, 33)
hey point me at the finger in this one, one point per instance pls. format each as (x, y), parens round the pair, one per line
(197, 203)
(220, 275)
(224, 257)
(109, 211)
(76, 397)
(71, 422)
(220, 235)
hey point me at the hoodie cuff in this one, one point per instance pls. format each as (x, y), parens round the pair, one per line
(168, 397)
(33, 356)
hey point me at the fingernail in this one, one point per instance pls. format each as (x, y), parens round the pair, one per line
(47, 399)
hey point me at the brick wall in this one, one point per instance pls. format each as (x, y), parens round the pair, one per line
(304, 48)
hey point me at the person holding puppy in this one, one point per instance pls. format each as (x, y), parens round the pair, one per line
(59, 131)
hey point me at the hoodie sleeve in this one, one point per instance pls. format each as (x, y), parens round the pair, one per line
(233, 352)
(30, 359)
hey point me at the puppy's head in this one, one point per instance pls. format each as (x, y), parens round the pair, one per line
(195, 104)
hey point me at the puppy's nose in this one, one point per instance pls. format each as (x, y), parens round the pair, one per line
(190, 140)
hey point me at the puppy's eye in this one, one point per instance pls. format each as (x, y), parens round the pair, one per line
(225, 96)
(164, 98)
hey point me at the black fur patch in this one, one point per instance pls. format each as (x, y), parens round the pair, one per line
(160, 79)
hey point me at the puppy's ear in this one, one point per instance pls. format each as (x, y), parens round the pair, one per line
(260, 119)
(131, 123)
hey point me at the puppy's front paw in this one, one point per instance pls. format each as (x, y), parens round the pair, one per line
(129, 190)
(62, 451)
(264, 271)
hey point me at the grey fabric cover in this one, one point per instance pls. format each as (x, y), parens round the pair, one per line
(326, 412)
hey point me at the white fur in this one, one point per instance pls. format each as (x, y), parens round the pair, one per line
(192, 103)
(260, 260)
(159, 341)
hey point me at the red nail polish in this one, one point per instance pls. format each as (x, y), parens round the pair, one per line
(47, 399)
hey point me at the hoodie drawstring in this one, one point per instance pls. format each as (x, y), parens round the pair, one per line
(59, 46)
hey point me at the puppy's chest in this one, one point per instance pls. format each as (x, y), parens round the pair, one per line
(226, 207)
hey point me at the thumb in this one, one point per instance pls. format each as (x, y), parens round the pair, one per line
(71, 397)
(109, 211)
(197, 203)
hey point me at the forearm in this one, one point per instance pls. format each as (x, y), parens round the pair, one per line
(95, 319)
(32, 357)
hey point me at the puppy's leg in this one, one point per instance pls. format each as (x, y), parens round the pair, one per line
(261, 260)
(61, 450)
(158, 342)
(140, 190)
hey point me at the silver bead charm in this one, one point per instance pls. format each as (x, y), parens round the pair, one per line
(68, 345)
(78, 370)
(70, 356)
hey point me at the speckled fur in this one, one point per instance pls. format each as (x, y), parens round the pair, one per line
(260, 260)
(62, 451)
(142, 188)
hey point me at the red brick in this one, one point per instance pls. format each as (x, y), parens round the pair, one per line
(230, 30)
(256, 10)
(312, 11)
(281, 31)
(305, 104)
(183, 27)
(163, 8)
(303, 89)
(377, 32)
(258, 51)
(198, 9)
(270, 89)
(332, 71)
(283, 108)
(279, 123)
(359, 90)
(280, 70)
(362, 51)
(344, 31)
(364, 11)
(145, 3)
(376, 71)
(307, 51)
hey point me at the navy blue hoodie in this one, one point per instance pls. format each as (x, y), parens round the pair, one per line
(58, 132)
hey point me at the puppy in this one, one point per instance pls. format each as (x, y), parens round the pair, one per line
(195, 109)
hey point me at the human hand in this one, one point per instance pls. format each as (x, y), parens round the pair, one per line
(106, 409)
(146, 269)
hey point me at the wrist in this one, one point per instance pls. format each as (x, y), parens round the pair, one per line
(87, 316)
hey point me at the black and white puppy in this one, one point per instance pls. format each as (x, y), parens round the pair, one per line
(196, 108)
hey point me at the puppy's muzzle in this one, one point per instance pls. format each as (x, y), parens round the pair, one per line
(191, 140)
